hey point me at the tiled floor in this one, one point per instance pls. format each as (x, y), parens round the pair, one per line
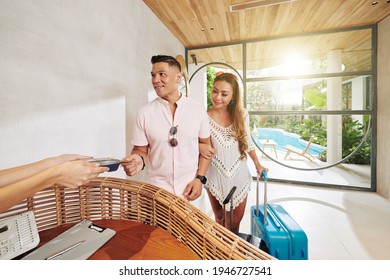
(340, 224)
(297, 168)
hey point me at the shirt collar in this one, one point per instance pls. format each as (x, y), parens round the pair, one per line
(178, 102)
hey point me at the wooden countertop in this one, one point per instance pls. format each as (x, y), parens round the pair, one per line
(132, 241)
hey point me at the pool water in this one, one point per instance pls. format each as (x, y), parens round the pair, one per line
(283, 138)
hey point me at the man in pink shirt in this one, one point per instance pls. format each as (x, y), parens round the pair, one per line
(167, 134)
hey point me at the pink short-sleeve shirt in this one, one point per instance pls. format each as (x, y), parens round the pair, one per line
(171, 168)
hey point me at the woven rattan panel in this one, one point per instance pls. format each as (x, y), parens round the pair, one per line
(113, 198)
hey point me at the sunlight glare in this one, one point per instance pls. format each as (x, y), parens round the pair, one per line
(294, 65)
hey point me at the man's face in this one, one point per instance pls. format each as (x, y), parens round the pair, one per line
(165, 79)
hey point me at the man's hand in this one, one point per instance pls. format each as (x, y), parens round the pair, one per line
(193, 190)
(132, 164)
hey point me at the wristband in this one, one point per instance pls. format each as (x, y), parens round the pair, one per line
(143, 162)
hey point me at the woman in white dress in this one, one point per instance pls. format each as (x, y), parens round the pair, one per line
(230, 136)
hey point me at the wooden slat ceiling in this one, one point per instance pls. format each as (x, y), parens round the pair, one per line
(198, 23)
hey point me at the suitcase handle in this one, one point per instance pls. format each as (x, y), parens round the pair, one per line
(265, 177)
(228, 197)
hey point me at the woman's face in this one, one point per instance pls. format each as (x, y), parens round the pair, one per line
(221, 95)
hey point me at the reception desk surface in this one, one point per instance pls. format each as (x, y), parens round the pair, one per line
(132, 241)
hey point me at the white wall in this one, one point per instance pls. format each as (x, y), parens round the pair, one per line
(73, 74)
(383, 127)
(198, 85)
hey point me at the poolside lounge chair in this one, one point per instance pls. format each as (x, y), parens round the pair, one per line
(304, 153)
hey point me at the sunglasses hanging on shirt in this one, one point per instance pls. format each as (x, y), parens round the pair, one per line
(172, 134)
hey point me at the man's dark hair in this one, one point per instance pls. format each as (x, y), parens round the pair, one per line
(166, 58)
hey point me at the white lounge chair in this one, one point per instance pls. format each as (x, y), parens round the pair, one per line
(304, 153)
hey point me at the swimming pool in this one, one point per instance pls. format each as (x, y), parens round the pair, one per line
(283, 138)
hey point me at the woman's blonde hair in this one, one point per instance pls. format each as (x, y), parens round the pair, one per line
(235, 111)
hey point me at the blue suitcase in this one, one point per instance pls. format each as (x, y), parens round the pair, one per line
(284, 238)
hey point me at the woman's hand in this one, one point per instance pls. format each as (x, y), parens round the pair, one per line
(74, 173)
(68, 157)
(206, 151)
(260, 169)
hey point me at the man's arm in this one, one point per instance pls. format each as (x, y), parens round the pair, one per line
(203, 162)
(194, 189)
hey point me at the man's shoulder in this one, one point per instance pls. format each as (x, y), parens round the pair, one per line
(149, 106)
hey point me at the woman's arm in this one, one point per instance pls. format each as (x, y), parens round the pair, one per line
(206, 150)
(12, 175)
(69, 174)
(259, 168)
(252, 148)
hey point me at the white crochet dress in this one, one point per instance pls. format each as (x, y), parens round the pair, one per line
(227, 169)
